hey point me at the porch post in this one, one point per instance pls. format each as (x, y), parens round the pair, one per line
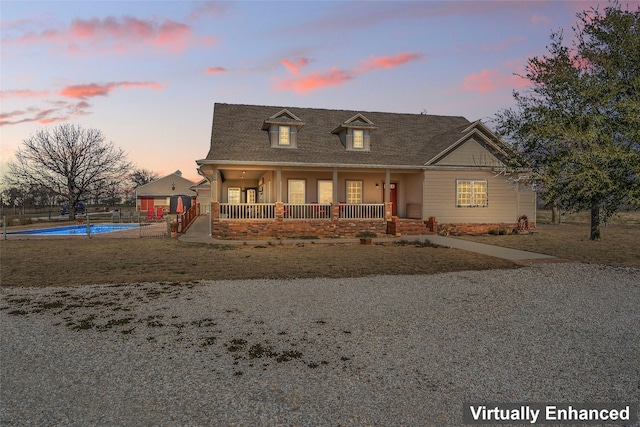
(335, 185)
(278, 184)
(214, 185)
(215, 211)
(387, 186)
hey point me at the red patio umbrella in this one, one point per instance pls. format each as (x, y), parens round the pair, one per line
(180, 207)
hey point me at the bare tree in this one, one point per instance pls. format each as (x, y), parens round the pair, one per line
(141, 176)
(68, 160)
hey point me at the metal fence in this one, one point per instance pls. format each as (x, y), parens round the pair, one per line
(154, 229)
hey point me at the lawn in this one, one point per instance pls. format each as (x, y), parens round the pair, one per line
(77, 261)
(47, 262)
(619, 243)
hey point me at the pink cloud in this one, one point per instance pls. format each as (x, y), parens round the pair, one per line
(11, 114)
(206, 10)
(32, 115)
(216, 70)
(94, 89)
(539, 19)
(490, 80)
(336, 77)
(482, 82)
(294, 66)
(387, 62)
(118, 35)
(503, 44)
(23, 93)
(315, 80)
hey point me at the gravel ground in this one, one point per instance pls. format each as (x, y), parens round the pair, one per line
(384, 350)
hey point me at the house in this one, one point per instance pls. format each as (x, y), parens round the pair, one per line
(202, 189)
(285, 171)
(160, 193)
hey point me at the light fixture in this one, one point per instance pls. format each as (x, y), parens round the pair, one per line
(377, 185)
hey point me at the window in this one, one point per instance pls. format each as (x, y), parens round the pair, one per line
(471, 193)
(283, 138)
(325, 191)
(296, 191)
(354, 191)
(251, 195)
(358, 139)
(233, 194)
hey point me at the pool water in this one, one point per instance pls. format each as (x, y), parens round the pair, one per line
(80, 230)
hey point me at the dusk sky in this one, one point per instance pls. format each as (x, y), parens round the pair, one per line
(147, 74)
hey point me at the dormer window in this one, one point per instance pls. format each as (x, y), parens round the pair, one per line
(355, 133)
(283, 129)
(358, 138)
(283, 135)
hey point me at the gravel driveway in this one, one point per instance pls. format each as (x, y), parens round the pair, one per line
(384, 350)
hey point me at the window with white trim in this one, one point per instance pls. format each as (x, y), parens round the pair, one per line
(471, 193)
(325, 191)
(283, 135)
(354, 191)
(234, 195)
(296, 191)
(358, 138)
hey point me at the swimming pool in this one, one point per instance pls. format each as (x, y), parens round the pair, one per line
(80, 230)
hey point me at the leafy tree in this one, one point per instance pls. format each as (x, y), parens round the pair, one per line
(578, 124)
(68, 161)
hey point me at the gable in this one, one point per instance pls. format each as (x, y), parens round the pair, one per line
(282, 117)
(470, 153)
(170, 184)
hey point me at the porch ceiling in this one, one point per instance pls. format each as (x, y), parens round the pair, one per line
(242, 173)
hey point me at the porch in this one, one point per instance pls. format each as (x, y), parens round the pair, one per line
(309, 220)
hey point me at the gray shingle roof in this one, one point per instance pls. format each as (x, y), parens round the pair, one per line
(400, 139)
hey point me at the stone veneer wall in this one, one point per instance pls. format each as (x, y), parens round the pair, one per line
(258, 229)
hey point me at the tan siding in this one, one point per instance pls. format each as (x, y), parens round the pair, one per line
(470, 153)
(505, 201)
(527, 204)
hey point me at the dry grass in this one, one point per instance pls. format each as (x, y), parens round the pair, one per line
(50, 262)
(619, 243)
(76, 261)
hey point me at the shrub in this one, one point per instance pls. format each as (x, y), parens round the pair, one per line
(365, 234)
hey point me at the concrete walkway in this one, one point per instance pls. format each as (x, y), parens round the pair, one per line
(199, 233)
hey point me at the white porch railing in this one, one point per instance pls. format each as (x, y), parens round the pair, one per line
(294, 211)
(307, 211)
(362, 211)
(229, 211)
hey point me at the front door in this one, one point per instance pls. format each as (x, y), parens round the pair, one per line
(393, 197)
(251, 195)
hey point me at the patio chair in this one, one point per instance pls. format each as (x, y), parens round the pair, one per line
(149, 214)
(159, 214)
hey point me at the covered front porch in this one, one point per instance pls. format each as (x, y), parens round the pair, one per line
(249, 201)
(334, 220)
